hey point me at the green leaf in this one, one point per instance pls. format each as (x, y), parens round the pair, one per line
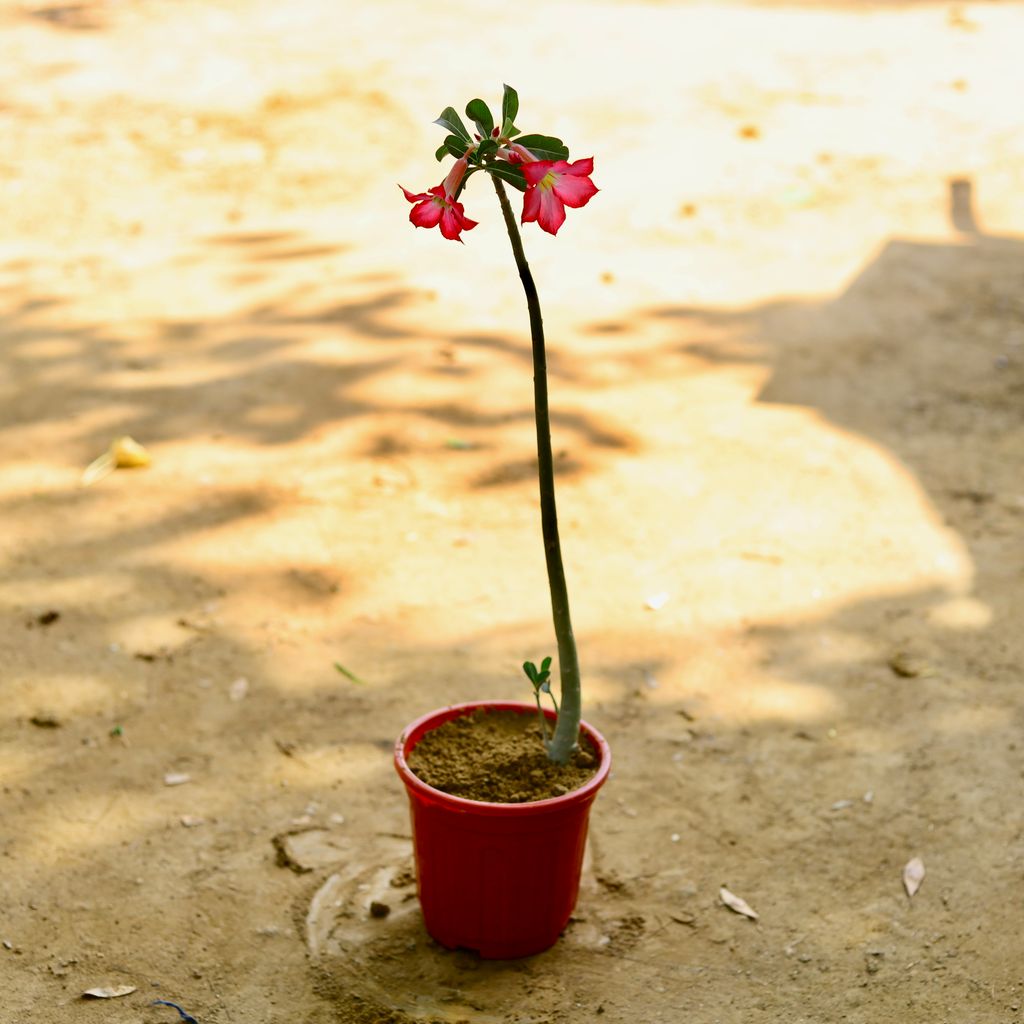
(509, 105)
(442, 152)
(455, 145)
(347, 674)
(545, 665)
(508, 173)
(450, 119)
(487, 147)
(545, 147)
(509, 131)
(481, 115)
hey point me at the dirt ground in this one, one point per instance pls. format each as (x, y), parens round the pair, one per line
(787, 369)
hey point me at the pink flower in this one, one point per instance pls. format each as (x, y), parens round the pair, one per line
(554, 185)
(438, 206)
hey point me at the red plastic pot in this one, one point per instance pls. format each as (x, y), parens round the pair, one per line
(501, 879)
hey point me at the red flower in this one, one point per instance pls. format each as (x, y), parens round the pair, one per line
(554, 185)
(437, 207)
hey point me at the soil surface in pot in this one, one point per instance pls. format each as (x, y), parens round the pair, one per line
(498, 757)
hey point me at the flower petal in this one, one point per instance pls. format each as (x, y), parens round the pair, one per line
(414, 198)
(426, 214)
(574, 191)
(531, 205)
(535, 171)
(583, 167)
(467, 224)
(454, 221)
(552, 212)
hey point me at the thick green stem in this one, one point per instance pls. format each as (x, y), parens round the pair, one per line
(567, 727)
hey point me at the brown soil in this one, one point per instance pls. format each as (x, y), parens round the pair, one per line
(499, 757)
(787, 373)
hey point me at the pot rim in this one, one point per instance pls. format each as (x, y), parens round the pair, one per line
(434, 719)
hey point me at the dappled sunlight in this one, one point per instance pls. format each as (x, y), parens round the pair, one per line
(316, 768)
(64, 694)
(962, 613)
(755, 699)
(785, 362)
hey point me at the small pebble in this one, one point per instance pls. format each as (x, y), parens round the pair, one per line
(379, 909)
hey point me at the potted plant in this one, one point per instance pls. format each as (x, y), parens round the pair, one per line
(499, 798)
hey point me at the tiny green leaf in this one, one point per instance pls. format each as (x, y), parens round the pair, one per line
(509, 130)
(509, 105)
(450, 119)
(442, 152)
(481, 116)
(545, 665)
(347, 674)
(508, 173)
(545, 147)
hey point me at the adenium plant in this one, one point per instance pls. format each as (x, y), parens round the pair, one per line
(539, 167)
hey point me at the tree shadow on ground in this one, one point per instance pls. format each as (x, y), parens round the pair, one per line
(271, 374)
(773, 805)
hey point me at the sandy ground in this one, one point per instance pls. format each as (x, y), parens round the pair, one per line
(787, 367)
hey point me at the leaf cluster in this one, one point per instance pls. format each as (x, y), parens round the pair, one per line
(481, 150)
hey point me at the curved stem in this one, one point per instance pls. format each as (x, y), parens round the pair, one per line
(567, 727)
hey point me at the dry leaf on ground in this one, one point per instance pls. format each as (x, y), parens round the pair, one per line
(124, 453)
(108, 993)
(735, 903)
(913, 875)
